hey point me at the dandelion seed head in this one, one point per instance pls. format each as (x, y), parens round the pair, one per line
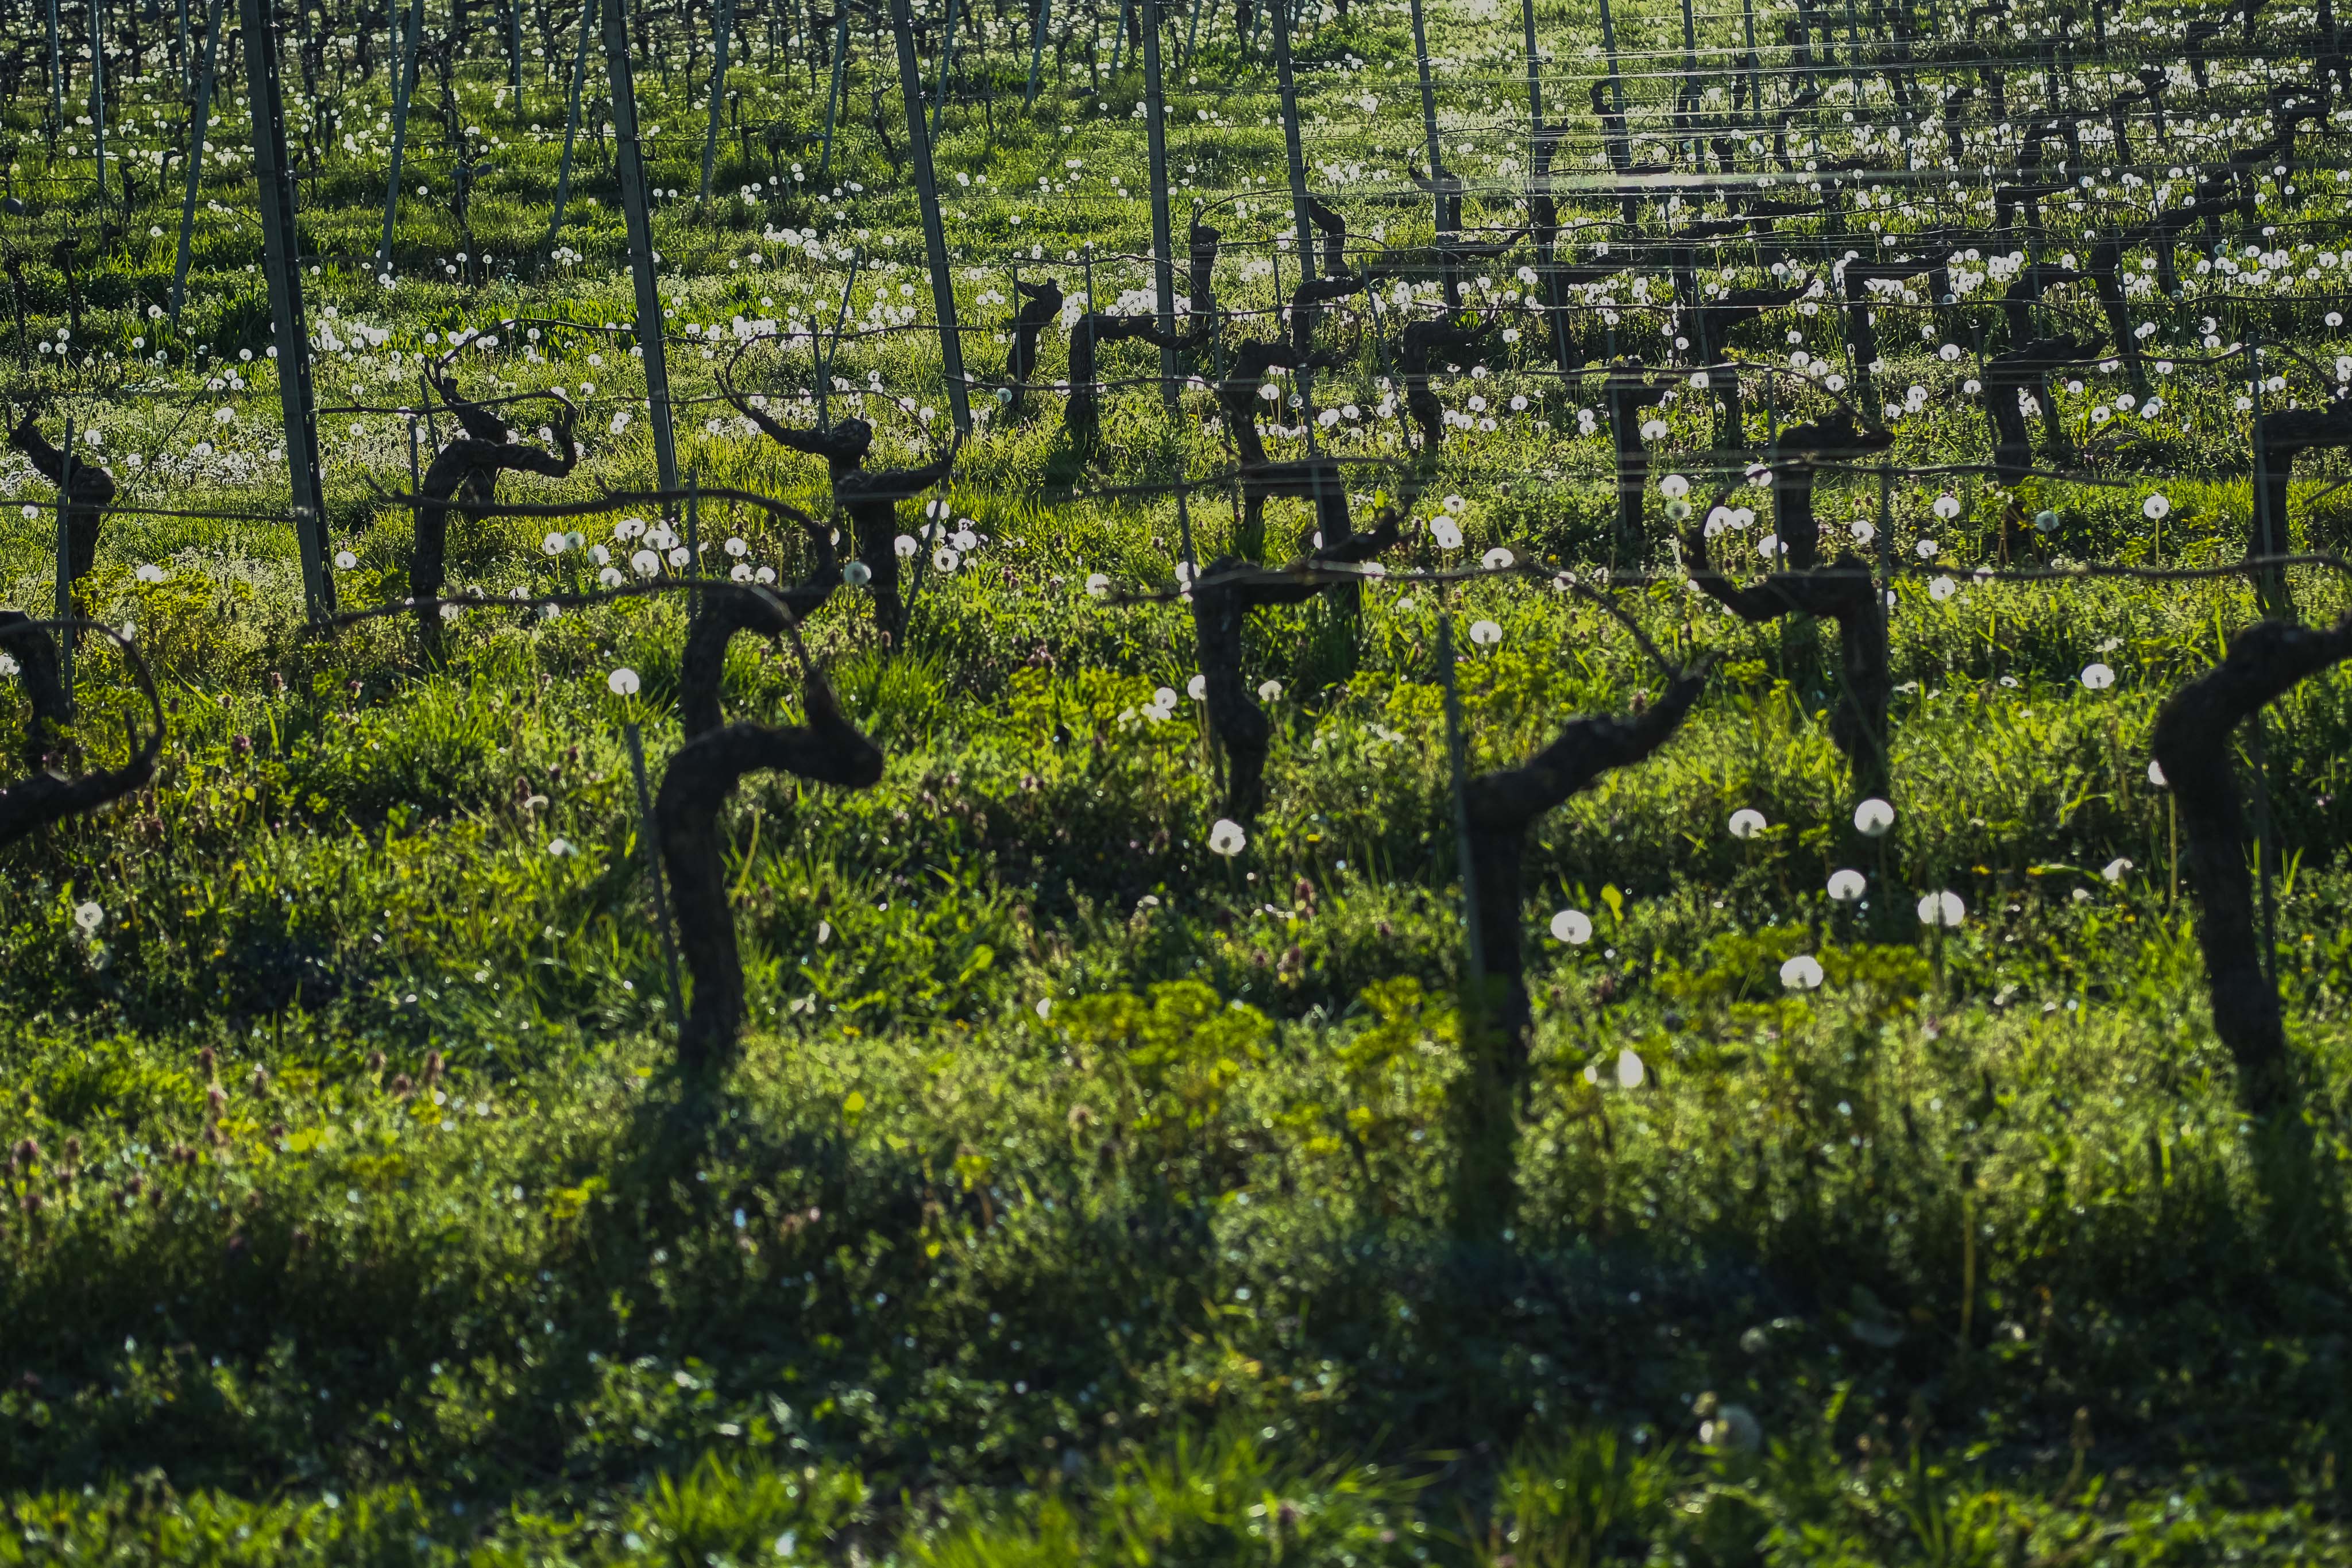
(1945, 908)
(1802, 972)
(1573, 927)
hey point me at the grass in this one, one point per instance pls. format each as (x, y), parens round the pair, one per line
(1081, 1194)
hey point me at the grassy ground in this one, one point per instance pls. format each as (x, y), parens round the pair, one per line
(1081, 1196)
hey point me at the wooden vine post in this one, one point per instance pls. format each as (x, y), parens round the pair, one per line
(292, 340)
(935, 238)
(630, 160)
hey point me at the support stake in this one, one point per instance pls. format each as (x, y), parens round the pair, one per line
(935, 238)
(199, 123)
(280, 240)
(630, 160)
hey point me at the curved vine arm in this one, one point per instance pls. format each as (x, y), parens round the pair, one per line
(32, 804)
(2192, 745)
(1503, 804)
(695, 784)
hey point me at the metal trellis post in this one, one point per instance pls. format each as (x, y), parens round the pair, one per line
(98, 92)
(832, 96)
(274, 180)
(65, 569)
(629, 158)
(946, 63)
(935, 238)
(199, 121)
(1037, 50)
(718, 94)
(571, 123)
(404, 86)
(1163, 244)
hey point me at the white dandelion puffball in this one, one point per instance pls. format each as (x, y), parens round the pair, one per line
(1573, 927)
(1486, 634)
(1802, 972)
(1227, 839)
(1165, 697)
(1948, 506)
(1496, 559)
(149, 572)
(559, 847)
(2098, 677)
(1863, 530)
(1733, 1426)
(1848, 886)
(2156, 775)
(1872, 818)
(1941, 589)
(906, 546)
(1630, 1070)
(610, 578)
(1747, 824)
(1446, 532)
(88, 916)
(1943, 908)
(945, 560)
(620, 422)
(739, 548)
(2156, 508)
(1674, 487)
(2116, 870)
(622, 681)
(1098, 585)
(2045, 521)
(1197, 689)
(645, 563)
(1269, 691)
(858, 573)
(553, 545)
(1457, 505)
(1653, 430)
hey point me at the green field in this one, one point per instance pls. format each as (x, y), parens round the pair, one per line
(1081, 1193)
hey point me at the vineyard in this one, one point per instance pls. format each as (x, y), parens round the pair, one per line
(1366, 782)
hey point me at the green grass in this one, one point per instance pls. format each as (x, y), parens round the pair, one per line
(1081, 1196)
